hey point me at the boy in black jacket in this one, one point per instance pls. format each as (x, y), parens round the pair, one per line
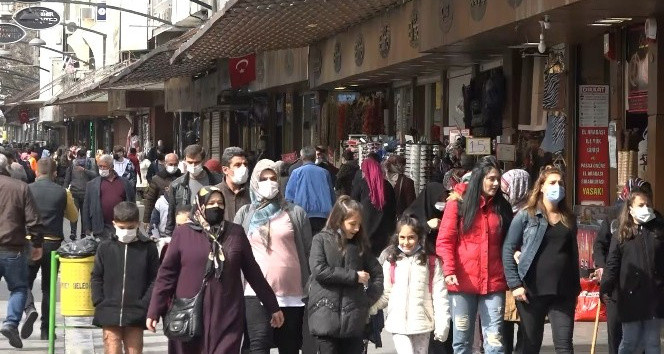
(122, 279)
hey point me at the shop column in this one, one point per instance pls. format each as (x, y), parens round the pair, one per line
(655, 168)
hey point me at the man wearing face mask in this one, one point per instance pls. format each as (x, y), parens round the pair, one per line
(55, 204)
(235, 167)
(158, 184)
(102, 194)
(183, 190)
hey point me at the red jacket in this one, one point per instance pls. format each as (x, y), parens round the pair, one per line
(474, 257)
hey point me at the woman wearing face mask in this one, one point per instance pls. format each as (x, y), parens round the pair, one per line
(280, 238)
(546, 279)
(210, 247)
(635, 272)
(469, 242)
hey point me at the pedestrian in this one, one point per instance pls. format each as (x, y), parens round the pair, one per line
(102, 194)
(310, 187)
(64, 162)
(156, 165)
(470, 238)
(122, 166)
(404, 187)
(122, 279)
(344, 181)
(158, 185)
(55, 204)
(514, 184)
(415, 294)
(184, 189)
(378, 201)
(322, 161)
(634, 273)
(79, 173)
(217, 250)
(601, 248)
(344, 275)
(20, 216)
(546, 279)
(235, 167)
(133, 158)
(280, 238)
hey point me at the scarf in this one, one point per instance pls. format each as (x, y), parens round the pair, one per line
(215, 233)
(374, 178)
(514, 183)
(265, 210)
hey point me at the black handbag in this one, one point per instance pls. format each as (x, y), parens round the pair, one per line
(184, 319)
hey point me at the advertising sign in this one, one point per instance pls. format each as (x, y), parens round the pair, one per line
(37, 18)
(10, 33)
(593, 166)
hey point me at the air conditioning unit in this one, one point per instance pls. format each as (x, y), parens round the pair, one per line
(88, 14)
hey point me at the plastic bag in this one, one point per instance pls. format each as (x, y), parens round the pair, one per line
(79, 249)
(587, 302)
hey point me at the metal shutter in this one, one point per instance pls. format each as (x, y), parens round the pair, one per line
(215, 135)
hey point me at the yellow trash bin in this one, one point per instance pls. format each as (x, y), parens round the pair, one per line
(75, 291)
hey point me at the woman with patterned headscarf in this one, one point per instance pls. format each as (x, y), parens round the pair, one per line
(280, 237)
(213, 249)
(601, 252)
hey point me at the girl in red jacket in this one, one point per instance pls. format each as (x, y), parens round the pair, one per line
(470, 243)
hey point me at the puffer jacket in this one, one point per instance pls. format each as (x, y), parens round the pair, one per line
(338, 306)
(474, 257)
(412, 308)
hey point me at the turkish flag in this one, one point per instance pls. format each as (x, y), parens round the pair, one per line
(242, 70)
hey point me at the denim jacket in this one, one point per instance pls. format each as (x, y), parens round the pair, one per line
(525, 235)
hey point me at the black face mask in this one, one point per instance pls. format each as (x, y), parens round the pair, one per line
(117, 156)
(214, 216)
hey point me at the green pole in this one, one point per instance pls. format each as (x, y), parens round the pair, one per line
(51, 305)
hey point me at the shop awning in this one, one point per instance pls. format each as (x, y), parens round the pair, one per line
(29, 93)
(154, 68)
(88, 88)
(245, 26)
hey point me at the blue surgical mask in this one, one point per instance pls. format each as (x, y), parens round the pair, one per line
(555, 193)
(417, 249)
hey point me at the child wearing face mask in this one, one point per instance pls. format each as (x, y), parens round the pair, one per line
(124, 272)
(344, 275)
(545, 280)
(634, 273)
(415, 293)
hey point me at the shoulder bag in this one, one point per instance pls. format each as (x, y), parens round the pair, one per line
(184, 319)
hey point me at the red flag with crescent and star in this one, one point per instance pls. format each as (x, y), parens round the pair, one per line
(242, 70)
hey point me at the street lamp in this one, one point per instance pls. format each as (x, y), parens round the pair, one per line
(40, 43)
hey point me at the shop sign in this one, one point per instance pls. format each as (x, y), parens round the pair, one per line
(477, 9)
(445, 15)
(289, 158)
(37, 18)
(10, 33)
(638, 58)
(593, 165)
(593, 105)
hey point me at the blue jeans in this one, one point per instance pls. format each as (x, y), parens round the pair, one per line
(640, 332)
(14, 268)
(465, 307)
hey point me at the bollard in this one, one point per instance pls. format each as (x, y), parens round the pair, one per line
(51, 307)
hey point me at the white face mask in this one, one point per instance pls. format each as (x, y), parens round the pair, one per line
(104, 173)
(240, 175)
(194, 170)
(126, 235)
(268, 189)
(171, 169)
(643, 214)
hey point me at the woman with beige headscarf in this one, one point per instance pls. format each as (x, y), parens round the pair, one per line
(280, 238)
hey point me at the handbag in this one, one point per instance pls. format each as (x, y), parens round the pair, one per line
(184, 319)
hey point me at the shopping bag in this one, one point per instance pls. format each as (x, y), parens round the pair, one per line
(587, 302)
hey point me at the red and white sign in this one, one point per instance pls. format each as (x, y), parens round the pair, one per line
(242, 70)
(289, 158)
(593, 166)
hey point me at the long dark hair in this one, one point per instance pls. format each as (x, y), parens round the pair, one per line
(470, 204)
(343, 209)
(394, 253)
(628, 228)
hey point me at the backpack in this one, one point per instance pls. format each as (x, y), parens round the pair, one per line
(432, 270)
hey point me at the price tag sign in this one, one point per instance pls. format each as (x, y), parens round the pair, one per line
(506, 152)
(478, 146)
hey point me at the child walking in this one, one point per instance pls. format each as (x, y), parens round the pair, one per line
(346, 280)
(635, 271)
(415, 294)
(122, 279)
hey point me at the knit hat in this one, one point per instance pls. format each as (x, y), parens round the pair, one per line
(213, 165)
